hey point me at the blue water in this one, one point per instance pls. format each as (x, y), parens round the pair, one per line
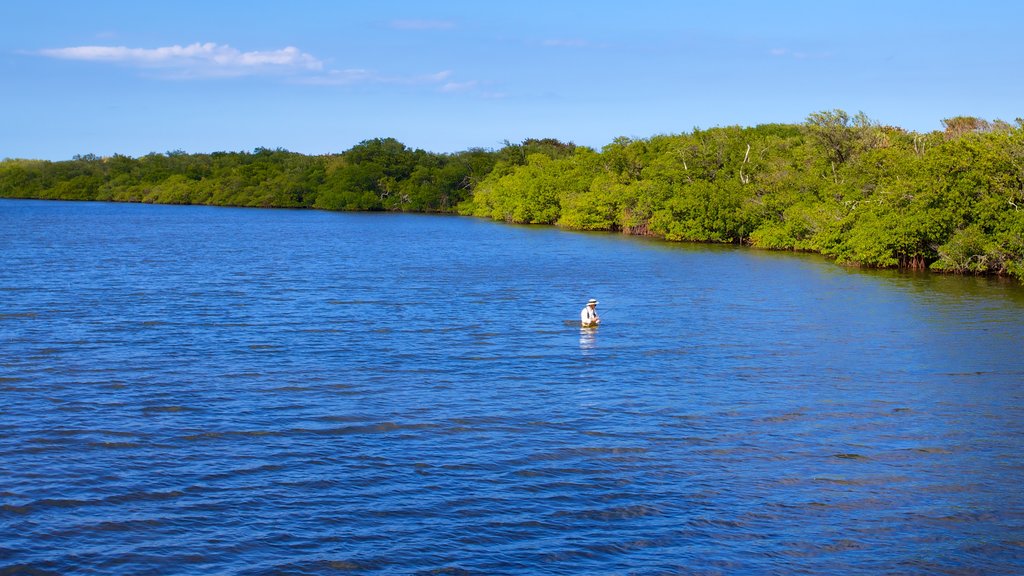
(193, 390)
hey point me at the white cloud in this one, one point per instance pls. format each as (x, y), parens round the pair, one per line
(220, 60)
(208, 59)
(422, 24)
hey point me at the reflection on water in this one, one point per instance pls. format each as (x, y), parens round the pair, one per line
(199, 390)
(588, 339)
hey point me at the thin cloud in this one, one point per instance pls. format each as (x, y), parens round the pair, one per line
(422, 24)
(207, 59)
(361, 76)
(442, 81)
(342, 77)
(566, 43)
(435, 77)
(798, 55)
(459, 86)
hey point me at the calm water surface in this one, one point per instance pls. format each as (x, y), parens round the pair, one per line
(191, 390)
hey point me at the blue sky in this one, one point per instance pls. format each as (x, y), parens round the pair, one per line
(316, 77)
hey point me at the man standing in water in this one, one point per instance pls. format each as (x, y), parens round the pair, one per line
(588, 316)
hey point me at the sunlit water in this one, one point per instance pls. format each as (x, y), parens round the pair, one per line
(190, 390)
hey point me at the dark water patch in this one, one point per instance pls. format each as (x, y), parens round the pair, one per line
(109, 526)
(236, 472)
(447, 570)
(850, 456)
(933, 450)
(613, 514)
(261, 347)
(47, 503)
(17, 315)
(169, 409)
(374, 428)
(144, 496)
(316, 567)
(229, 434)
(41, 353)
(843, 481)
(784, 417)
(291, 389)
(115, 445)
(27, 570)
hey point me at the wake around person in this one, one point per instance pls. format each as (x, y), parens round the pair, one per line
(588, 316)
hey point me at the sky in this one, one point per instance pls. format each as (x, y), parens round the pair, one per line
(320, 76)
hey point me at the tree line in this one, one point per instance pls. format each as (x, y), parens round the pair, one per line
(841, 185)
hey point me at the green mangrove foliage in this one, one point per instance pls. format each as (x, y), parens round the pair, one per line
(844, 186)
(380, 174)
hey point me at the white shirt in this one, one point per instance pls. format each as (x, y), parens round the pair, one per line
(589, 315)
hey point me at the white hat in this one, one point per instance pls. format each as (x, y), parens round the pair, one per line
(592, 301)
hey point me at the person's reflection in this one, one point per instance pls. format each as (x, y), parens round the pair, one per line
(588, 339)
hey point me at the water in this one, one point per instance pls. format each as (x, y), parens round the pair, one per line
(191, 390)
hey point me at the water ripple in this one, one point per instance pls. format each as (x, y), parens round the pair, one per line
(208, 391)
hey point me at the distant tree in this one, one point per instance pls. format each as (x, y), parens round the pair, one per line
(838, 134)
(957, 126)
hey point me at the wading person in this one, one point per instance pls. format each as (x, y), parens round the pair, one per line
(588, 316)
